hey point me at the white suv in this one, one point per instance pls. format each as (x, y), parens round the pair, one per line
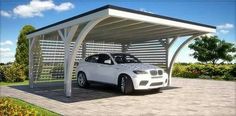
(120, 69)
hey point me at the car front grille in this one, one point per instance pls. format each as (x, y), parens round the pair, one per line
(160, 72)
(156, 84)
(156, 72)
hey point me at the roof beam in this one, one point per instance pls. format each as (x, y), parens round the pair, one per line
(146, 35)
(136, 33)
(124, 32)
(131, 28)
(140, 40)
(179, 35)
(116, 26)
(109, 23)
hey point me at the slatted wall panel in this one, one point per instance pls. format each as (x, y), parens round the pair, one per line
(94, 48)
(49, 60)
(151, 52)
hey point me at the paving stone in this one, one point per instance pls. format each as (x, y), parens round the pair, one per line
(186, 97)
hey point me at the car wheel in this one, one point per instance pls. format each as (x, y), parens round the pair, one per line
(126, 84)
(82, 80)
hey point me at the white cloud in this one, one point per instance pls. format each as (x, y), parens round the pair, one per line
(144, 10)
(7, 42)
(6, 55)
(37, 7)
(5, 13)
(225, 26)
(64, 6)
(5, 50)
(224, 31)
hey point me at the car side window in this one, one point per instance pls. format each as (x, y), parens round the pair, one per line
(92, 59)
(105, 59)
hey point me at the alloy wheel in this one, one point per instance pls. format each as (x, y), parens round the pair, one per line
(81, 79)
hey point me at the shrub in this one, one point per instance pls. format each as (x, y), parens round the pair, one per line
(233, 70)
(188, 74)
(14, 73)
(178, 70)
(222, 70)
(205, 71)
(2, 77)
(196, 69)
(228, 77)
(8, 108)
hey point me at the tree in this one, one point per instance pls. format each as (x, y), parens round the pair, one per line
(212, 49)
(22, 49)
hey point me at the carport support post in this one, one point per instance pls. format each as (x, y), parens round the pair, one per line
(71, 59)
(170, 66)
(67, 38)
(83, 50)
(31, 77)
(167, 60)
(67, 80)
(167, 47)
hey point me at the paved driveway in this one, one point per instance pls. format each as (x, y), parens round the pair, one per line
(186, 97)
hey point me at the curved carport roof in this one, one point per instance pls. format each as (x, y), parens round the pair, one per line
(119, 25)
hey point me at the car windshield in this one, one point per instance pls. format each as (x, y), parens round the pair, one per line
(125, 58)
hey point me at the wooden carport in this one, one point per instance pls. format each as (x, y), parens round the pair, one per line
(147, 36)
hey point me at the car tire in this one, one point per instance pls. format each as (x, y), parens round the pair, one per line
(82, 80)
(126, 84)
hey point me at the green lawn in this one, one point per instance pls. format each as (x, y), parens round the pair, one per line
(14, 106)
(26, 82)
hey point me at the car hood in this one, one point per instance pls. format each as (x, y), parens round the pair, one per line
(138, 66)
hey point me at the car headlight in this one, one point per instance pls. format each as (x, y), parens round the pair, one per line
(139, 72)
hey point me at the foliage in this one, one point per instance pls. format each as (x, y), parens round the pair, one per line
(22, 49)
(13, 73)
(12, 107)
(212, 49)
(178, 70)
(205, 71)
(2, 77)
(233, 71)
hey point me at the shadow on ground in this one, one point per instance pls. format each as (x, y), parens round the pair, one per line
(55, 91)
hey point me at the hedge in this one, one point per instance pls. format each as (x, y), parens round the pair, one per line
(208, 71)
(12, 73)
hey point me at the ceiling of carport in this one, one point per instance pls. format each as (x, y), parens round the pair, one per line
(120, 30)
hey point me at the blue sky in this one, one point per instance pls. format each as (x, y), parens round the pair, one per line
(17, 13)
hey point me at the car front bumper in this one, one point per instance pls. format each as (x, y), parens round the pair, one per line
(143, 82)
